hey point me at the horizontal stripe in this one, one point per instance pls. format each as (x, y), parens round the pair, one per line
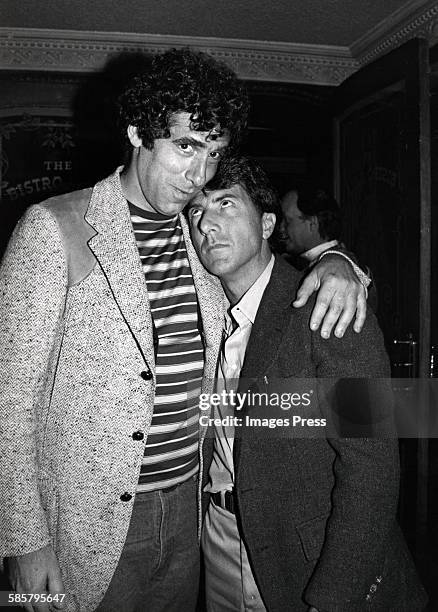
(167, 293)
(185, 306)
(177, 317)
(195, 355)
(151, 218)
(177, 397)
(178, 367)
(171, 427)
(155, 243)
(170, 457)
(154, 256)
(180, 279)
(154, 469)
(167, 265)
(177, 414)
(143, 229)
(183, 476)
(179, 384)
(175, 441)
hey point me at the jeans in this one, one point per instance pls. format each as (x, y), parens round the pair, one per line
(158, 570)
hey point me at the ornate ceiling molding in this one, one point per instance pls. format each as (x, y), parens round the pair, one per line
(418, 19)
(68, 51)
(72, 51)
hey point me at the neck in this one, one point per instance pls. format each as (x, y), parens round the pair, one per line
(131, 187)
(237, 284)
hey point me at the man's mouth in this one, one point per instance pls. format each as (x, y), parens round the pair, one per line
(216, 246)
(186, 193)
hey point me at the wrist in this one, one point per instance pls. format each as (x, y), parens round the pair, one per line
(363, 278)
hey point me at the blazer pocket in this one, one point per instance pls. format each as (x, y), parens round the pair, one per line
(312, 536)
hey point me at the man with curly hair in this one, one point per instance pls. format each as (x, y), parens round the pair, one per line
(110, 329)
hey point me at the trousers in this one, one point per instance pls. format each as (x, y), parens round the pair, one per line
(158, 570)
(229, 582)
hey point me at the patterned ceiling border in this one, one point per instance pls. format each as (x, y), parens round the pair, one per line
(418, 19)
(68, 51)
(73, 51)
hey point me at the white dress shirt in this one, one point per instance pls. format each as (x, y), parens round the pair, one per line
(237, 330)
(312, 254)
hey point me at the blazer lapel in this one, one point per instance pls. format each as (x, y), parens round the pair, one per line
(209, 292)
(271, 321)
(211, 305)
(270, 325)
(116, 251)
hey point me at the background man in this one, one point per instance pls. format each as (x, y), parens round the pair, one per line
(108, 324)
(292, 523)
(311, 223)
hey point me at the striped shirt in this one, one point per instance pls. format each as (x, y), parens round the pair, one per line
(171, 453)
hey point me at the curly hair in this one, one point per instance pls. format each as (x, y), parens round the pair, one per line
(183, 80)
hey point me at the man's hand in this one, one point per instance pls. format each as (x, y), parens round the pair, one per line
(341, 296)
(37, 572)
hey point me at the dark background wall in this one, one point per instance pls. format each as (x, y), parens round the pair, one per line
(59, 133)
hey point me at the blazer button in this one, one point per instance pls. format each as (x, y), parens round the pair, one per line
(126, 497)
(138, 435)
(146, 375)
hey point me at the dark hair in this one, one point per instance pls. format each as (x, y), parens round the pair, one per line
(319, 203)
(182, 80)
(244, 171)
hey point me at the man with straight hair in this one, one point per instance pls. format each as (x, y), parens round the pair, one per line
(293, 523)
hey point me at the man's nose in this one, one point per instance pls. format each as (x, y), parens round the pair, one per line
(197, 172)
(208, 222)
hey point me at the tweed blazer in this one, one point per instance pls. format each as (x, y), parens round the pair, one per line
(76, 334)
(318, 515)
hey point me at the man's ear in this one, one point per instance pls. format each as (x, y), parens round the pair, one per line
(268, 224)
(133, 136)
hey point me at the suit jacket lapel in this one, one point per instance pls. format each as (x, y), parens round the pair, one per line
(116, 251)
(209, 292)
(271, 321)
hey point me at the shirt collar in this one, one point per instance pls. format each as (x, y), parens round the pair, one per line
(245, 311)
(316, 251)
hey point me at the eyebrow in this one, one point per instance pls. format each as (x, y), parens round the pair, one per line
(224, 196)
(190, 141)
(197, 144)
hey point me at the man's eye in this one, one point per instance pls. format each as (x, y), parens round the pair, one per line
(185, 146)
(194, 212)
(216, 155)
(226, 203)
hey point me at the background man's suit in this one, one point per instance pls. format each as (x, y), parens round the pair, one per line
(318, 517)
(77, 348)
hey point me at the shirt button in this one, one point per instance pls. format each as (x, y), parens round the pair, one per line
(138, 435)
(126, 497)
(146, 375)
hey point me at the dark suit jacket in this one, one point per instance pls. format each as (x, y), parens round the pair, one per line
(318, 515)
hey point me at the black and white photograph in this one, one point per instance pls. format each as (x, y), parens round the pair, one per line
(218, 343)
